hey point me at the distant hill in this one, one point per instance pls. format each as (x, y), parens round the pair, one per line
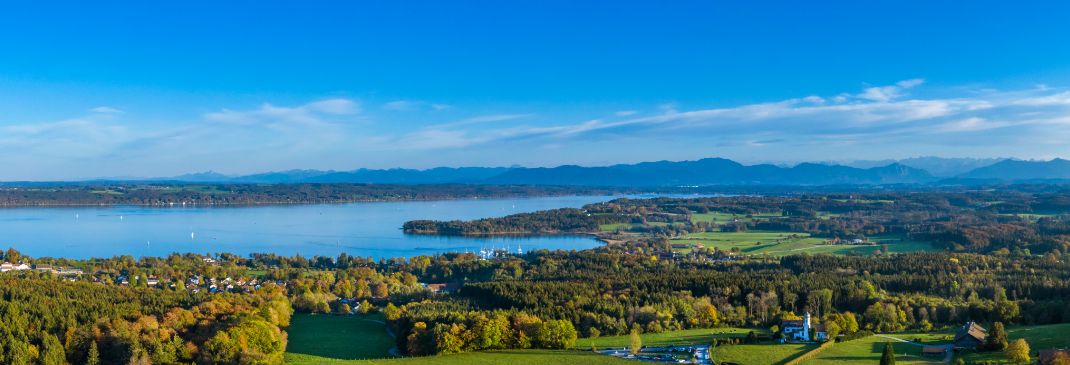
(937, 166)
(712, 171)
(1018, 170)
(704, 172)
(207, 176)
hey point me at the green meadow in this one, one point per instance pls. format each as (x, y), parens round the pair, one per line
(720, 217)
(779, 243)
(318, 338)
(867, 351)
(760, 353)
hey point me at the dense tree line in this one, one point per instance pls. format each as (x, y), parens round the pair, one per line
(568, 220)
(243, 194)
(50, 321)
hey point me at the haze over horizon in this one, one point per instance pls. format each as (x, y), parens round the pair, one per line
(249, 87)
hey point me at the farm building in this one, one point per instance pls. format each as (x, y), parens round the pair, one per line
(1046, 357)
(970, 336)
(934, 351)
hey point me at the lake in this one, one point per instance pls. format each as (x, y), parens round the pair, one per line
(358, 229)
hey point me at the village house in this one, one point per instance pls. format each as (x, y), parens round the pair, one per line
(940, 351)
(970, 336)
(70, 271)
(799, 330)
(442, 288)
(1047, 357)
(152, 281)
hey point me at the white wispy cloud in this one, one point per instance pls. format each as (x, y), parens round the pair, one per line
(877, 113)
(337, 133)
(106, 110)
(889, 92)
(411, 105)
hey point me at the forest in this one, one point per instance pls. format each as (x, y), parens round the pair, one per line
(166, 194)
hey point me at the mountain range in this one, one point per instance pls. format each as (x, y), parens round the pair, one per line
(704, 172)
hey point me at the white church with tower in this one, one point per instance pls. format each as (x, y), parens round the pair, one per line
(799, 330)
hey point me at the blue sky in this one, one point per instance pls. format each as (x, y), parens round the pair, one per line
(106, 88)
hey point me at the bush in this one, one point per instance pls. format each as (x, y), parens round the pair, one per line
(853, 336)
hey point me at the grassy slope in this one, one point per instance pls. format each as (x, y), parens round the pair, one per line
(719, 217)
(316, 337)
(867, 351)
(782, 243)
(512, 357)
(759, 354)
(701, 336)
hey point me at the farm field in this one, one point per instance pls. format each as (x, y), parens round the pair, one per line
(698, 336)
(721, 217)
(512, 357)
(1032, 217)
(778, 243)
(760, 353)
(314, 339)
(867, 351)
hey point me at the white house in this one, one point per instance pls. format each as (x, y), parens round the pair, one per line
(797, 330)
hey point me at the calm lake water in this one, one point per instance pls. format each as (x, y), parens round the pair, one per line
(359, 229)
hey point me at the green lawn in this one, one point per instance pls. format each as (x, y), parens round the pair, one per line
(720, 217)
(867, 351)
(778, 243)
(759, 354)
(699, 336)
(314, 339)
(511, 357)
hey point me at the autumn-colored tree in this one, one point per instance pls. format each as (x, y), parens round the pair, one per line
(636, 342)
(1018, 351)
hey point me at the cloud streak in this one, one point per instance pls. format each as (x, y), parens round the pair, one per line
(877, 121)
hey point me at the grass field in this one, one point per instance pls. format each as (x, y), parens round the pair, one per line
(720, 217)
(1032, 217)
(699, 336)
(788, 243)
(759, 354)
(314, 339)
(511, 357)
(867, 351)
